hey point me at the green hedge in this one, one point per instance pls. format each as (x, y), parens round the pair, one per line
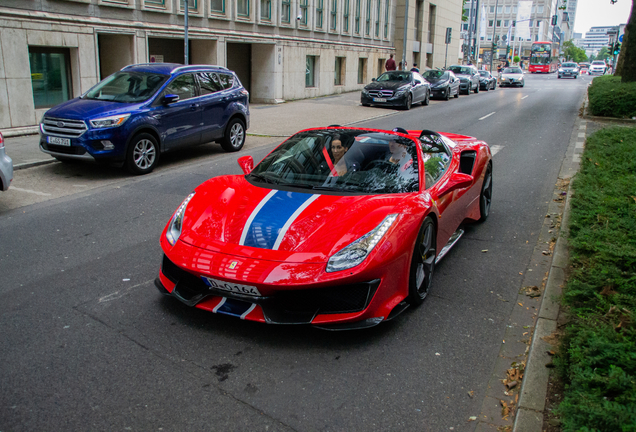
(598, 355)
(608, 97)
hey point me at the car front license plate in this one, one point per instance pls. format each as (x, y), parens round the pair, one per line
(58, 141)
(379, 100)
(231, 287)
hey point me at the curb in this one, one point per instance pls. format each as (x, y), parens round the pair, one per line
(32, 164)
(532, 395)
(20, 131)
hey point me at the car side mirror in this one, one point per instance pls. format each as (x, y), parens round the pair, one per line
(169, 98)
(246, 163)
(456, 181)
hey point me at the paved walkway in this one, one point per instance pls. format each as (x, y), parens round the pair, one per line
(277, 120)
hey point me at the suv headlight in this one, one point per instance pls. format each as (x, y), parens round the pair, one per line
(356, 252)
(112, 121)
(176, 223)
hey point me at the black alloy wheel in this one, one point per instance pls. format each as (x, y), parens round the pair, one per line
(143, 154)
(485, 198)
(477, 89)
(427, 98)
(409, 102)
(469, 89)
(457, 94)
(234, 136)
(422, 263)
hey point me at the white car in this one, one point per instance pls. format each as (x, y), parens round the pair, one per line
(597, 67)
(6, 167)
(568, 69)
(511, 76)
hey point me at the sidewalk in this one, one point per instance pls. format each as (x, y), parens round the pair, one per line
(281, 120)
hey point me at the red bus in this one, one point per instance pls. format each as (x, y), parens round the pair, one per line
(544, 57)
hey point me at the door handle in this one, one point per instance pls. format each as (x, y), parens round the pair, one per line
(194, 106)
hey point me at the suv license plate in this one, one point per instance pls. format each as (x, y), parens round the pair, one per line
(379, 100)
(231, 287)
(58, 141)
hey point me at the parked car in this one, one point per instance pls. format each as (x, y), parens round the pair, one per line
(397, 89)
(6, 167)
(511, 76)
(468, 78)
(135, 115)
(584, 68)
(487, 81)
(568, 69)
(444, 84)
(598, 67)
(303, 239)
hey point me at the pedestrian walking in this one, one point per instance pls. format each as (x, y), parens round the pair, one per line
(390, 63)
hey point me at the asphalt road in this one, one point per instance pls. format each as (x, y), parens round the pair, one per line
(89, 344)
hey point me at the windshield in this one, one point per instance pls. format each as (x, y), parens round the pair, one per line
(598, 63)
(435, 75)
(127, 87)
(484, 73)
(347, 161)
(512, 71)
(395, 76)
(572, 65)
(461, 70)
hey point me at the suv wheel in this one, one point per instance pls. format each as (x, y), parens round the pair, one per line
(476, 89)
(143, 154)
(234, 137)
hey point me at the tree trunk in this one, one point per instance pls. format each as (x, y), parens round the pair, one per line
(626, 66)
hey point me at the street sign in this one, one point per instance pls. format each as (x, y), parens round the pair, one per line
(620, 38)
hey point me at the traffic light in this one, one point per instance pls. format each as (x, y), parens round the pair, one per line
(617, 48)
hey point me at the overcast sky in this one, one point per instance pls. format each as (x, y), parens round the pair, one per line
(596, 13)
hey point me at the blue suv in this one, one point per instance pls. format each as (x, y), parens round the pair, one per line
(144, 110)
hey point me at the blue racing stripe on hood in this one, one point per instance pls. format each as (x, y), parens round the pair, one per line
(265, 224)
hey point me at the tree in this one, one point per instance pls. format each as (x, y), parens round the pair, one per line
(603, 54)
(574, 53)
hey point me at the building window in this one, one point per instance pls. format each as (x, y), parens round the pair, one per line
(362, 70)
(507, 9)
(499, 9)
(266, 10)
(303, 12)
(533, 8)
(243, 8)
(540, 9)
(357, 18)
(319, 9)
(367, 27)
(377, 18)
(161, 3)
(50, 76)
(514, 10)
(345, 16)
(506, 22)
(285, 7)
(217, 6)
(490, 22)
(386, 19)
(538, 23)
(465, 27)
(310, 73)
(339, 73)
(192, 5)
(334, 15)
(530, 24)
(498, 23)
(492, 9)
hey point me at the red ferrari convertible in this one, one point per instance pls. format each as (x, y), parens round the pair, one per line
(337, 227)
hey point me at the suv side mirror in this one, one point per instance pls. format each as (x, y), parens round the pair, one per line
(169, 98)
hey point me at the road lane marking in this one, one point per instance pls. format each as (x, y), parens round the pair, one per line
(486, 116)
(494, 149)
(524, 97)
(30, 191)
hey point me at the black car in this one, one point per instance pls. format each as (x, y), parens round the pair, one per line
(398, 89)
(468, 77)
(487, 81)
(444, 84)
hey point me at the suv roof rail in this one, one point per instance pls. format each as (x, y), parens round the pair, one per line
(198, 66)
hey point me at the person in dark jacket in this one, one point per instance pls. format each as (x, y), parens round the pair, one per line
(390, 64)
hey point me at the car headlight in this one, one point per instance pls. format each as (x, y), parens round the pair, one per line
(365, 92)
(401, 91)
(176, 223)
(560, 70)
(112, 121)
(356, 252)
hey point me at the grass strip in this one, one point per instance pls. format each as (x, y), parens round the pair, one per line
(597, 359)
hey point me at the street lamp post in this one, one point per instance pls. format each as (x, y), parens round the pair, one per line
(494, 26)
(186, 6)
